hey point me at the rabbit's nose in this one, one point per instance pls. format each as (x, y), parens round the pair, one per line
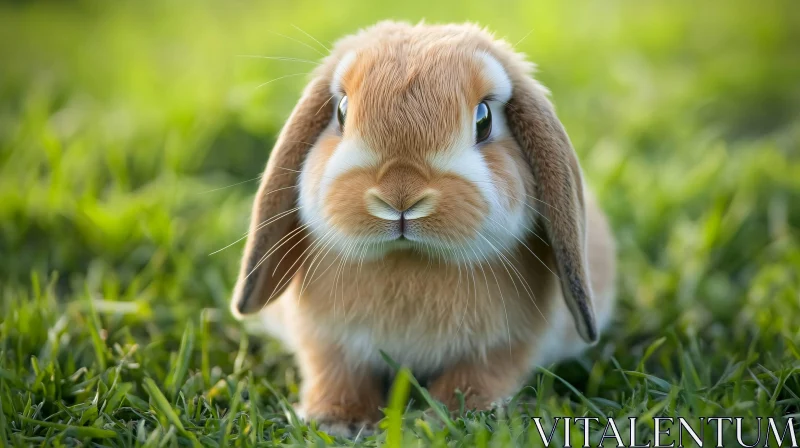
(399, 206)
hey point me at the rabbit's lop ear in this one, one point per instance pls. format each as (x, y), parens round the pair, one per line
(274, 241)
(559, 191)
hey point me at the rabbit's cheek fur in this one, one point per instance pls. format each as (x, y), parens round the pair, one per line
(504, 185)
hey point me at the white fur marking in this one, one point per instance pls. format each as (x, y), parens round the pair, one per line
(349, 154)
(341, 68)
(421, 209)
(506, 220)
(501, 83)
(380, 209)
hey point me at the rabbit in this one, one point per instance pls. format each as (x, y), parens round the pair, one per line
(424, 200)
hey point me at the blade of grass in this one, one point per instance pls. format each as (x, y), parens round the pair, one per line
(432, 403)
(397, 403)
(204, 360)
(162, 405)
(94, 333)
(233, 409)
(575, 391)
(650, 350)
(178, 373)
(3, 422)
(82, 431)
(256, 427)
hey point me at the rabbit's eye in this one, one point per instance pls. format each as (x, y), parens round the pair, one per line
(341, 111)
(483, 122)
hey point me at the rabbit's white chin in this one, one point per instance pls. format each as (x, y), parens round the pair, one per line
(363, 249)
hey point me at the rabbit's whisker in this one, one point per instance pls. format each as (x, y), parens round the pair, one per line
(545, 203)
(471, 267)
(339, 256)
(526, 285)
(259, 227)
(329, 245)
(319, 244)
(323, 54)
(293, 246)
(502, 300)
(485, 279)
(301, 172)
(286, 238)
(316, 50)
(278, 79)
(273, 191)
(324, 104)
(266, 255)
(299, 42)
(346, 260)
(278, 58)
(232, 185)
(274, 218)
(523, 38)
(300, 141)
(458, 291)
(364, 246)
(285, 281)
(524, 245)
(335, 280)
(340, 269)
(500, 254)
(510, 195)
(309, 276)
(312, 37)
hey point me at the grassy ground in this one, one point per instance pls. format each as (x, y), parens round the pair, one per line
(130, 133)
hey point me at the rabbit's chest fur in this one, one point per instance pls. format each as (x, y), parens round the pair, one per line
(423, 315)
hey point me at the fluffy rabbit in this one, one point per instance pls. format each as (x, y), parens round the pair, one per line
(424, 200)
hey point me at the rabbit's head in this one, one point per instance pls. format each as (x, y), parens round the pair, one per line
(427, 139)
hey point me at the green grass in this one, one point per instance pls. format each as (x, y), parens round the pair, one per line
(121, 122)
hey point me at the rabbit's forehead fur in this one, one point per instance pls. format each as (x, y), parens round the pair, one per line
(409, 134)
(410, 99)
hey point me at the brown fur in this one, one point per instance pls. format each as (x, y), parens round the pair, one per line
(482, 381)
(341, 395)
(477, 322)
(276, 195)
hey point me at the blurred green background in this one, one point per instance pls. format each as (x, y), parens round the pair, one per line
(131, 132)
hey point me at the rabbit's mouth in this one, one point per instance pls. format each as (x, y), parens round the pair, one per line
(427, 247)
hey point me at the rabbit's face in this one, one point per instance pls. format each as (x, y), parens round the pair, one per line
(417, 156)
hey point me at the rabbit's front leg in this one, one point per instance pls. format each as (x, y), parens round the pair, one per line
(484, 381)
(343, 399)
